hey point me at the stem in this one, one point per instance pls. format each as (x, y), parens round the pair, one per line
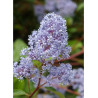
(72, 56)
(73, 92)
(68, 90)
(28, 85)
(65, 88)
(35, 90)
(38, 2)
(38, 86)
(75, 64)
(43, 84)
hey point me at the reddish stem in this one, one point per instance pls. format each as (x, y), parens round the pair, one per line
(28, 85)
(75, 64)
(72, 92)
(38, 86)
(35, 89)
(72, 56)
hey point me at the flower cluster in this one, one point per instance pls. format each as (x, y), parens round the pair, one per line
(39, 11)
(64, 8)
(57, 75)
(24, 69)
(78, 81)
(50, 41)
(47, 44)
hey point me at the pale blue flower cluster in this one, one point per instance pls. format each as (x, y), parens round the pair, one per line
(57, 75)
(24, 69)
(39, 11)
(47, 44)
(78, 81)
(50, 41)
(65, 8)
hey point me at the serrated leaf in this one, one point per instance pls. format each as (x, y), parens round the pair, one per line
(60, 95)
(18, 92)
(18, 45)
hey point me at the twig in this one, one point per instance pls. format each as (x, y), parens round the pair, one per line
(35, 89)
(38, 86)
(65, 88)
(72, 56)
(75, 64)
(68, 90)
(38, 2)
(73, 92)
(43, 84)
(28, 85)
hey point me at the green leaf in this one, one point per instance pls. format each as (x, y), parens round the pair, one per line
(72, 30)
(18, 92)
(69, 95)
(75, 45)
(72, 42)
(21, 96)
(18, 27)
(60, 95)
(80, 61)
(46, 73)
(69, 21)
(26, 89)
(31, 1)
(80, 6)
(18, 45)
(17, 84)
(23, 85)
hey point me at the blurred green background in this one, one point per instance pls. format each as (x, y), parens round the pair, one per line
(25, 22)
